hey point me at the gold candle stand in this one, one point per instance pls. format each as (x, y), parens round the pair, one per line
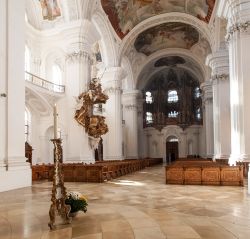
(58, 206)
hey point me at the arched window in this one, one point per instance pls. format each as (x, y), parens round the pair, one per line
(27, 59)
(149, 118)
(172, 96)
(198, 114)
(197, 93)
(173, 114)
(149, 98)
(27, 124)
(56, 77)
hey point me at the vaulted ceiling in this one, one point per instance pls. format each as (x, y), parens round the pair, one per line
(124, 15)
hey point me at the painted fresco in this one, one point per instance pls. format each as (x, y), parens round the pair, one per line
(170, 61)
(125, 14)
(50, 9)
(167, 35)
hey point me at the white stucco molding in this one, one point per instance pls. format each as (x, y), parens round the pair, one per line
(200, 73)
(77, 55)
(108, 42)
(242, 27)
(160, 19)
(219, 63)
(207, 90)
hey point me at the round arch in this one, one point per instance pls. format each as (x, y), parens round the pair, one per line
(160, 19)
(200, 72)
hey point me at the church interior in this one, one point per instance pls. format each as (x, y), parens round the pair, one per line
(132, 119)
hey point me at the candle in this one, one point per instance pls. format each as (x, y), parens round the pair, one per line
(55, 122)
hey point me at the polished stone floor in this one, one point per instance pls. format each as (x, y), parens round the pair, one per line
(138, 206)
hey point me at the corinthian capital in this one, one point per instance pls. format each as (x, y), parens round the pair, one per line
(76, 56)
(220, 77)
(242, 27)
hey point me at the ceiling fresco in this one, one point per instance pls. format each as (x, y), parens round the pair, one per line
(170, 61)
(50, 9)
(124, 15)
(166, 35)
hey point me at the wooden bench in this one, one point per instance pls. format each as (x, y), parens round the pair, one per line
(203, 173)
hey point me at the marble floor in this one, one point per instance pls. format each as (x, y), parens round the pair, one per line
(138, 206)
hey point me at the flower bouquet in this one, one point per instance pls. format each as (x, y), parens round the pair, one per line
(77, 202)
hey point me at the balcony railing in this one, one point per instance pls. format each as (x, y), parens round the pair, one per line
(44, 83)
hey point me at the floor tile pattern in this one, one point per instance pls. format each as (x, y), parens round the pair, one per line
(139, 205)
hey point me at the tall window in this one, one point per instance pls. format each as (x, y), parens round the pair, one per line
(27, 123)
(197, 93)
(198, 114)
(56, 76)
(149, 118)
(27, 59)
(149, 98)
(172, 96)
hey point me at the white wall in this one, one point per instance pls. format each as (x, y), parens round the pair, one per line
(156, 140)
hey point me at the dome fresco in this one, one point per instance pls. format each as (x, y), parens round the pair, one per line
(124, 15)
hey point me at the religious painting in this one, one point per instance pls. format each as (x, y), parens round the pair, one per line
(124, 15)
(167, 35)
(50, 9)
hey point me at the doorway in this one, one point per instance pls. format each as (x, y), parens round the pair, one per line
(99, 151)
(172, 150)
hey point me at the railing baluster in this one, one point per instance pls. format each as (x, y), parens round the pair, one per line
(44, 83)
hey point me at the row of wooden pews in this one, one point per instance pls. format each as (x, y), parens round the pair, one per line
(99, 172)
(203, 172)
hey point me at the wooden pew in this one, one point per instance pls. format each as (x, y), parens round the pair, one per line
(203, 173)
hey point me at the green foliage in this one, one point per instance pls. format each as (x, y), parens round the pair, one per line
(76, 204)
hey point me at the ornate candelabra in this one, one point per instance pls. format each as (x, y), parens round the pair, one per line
(58, 206)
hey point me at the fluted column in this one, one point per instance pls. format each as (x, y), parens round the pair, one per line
(130, 116)
(219, 64)
(208, 102)
(15, 172)
(111, 82)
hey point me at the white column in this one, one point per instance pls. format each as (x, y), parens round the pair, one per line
(142, 139)
(78, 77)
(130, 116)
(15, 172)
(208, 102)
(111, 82)
(238, 37)
(219, 64)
